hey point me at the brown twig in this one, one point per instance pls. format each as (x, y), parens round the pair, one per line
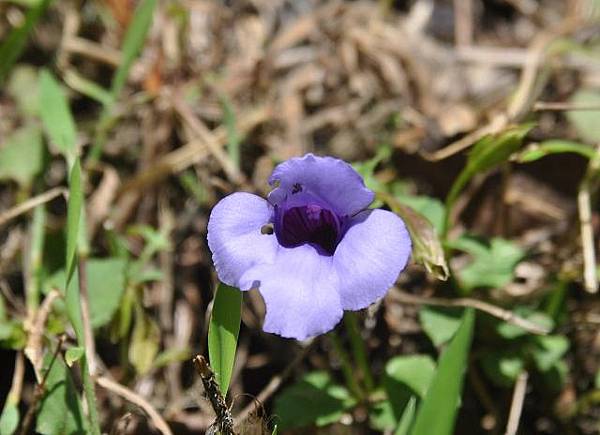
(516, 406)
(493, 310)
(224, 421)
(31, 203)
(33, 349)
(136, 399)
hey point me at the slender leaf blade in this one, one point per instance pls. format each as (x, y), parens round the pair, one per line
(437, 413)
(133, 43)
(223, 332)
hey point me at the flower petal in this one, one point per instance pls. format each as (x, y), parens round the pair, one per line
(332, 180)
(235, 238)
(370, 256)
(301, 293)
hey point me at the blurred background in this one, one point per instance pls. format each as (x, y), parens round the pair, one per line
(170, 105)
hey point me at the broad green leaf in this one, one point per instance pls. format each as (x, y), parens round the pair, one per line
(492, 264)
(586, 121)
(56, 116)
(23, 87)
(427, 248)
(489, 152)
(22, 155)
(145, 341)
(133, 43)
(440, 323)
(437, 412)
(315, 399)
(411, 371)
(60, 408)
(555, 146)
(223, 332)
(9, 419)
(407, 377)
(74, 354)
(15, 42)
(381, 416)
(106, 284)
(548, 350)
(502, 366)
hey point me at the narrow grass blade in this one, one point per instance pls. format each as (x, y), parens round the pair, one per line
(437, 413)
(13, 46)
(223, 333)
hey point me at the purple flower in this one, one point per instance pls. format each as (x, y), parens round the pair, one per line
(312, 248)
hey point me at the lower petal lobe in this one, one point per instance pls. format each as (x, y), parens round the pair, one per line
(300, 290)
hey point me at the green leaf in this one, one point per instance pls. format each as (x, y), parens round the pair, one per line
(502, 366)
(548, 350)
(145, 341)
(133, 43)
(9, 420)
(315, 399)
(407, 377)
(106, 284)
(22, 155)
(171, 355)
(492, 264)
(87, 87)
(74, 354)
(223, 332)
(586, 121)
(440, 323)
(411, 371)
(556, 146)
(427, 248)
(56, 116)
(60, 409)
(73, 218)
(23, 87)
(488, 152)
(437, 413)
(15, 42)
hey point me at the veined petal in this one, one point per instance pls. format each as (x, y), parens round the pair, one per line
(235, 238)
(332, 180)
(368, 259)
(301, 293)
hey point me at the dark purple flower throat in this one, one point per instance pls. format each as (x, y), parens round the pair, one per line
(309, 223)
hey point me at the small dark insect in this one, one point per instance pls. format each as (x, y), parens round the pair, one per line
(224, 422)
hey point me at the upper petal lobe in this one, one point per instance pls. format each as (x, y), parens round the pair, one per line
(235, 238)
(300, 290)
(332, 180)
(370, 256)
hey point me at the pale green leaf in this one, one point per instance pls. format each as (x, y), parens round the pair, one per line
(74, 354)
(586, 121)
(315, 399)
(145, 341)
(9, 420)
(22, 155)
(555, 146)
(56, 116)
(440, 323)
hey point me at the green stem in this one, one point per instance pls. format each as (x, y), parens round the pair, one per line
(347, 368)
(359, 351)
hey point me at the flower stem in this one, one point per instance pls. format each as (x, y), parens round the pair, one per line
(358, 349)
(347, 368)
